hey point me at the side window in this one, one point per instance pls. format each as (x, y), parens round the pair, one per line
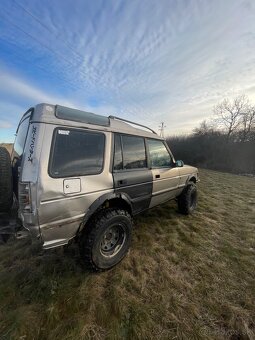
(118, 162)
(159, 155)
(134, 155)
(76, 153)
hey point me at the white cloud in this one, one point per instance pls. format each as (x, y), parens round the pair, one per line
(170, 61)
(10, 84)
(5, 125)
(24, 91)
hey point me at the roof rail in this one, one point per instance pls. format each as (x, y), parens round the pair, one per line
(129, 121)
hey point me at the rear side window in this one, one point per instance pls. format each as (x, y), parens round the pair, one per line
(76, 153)
(159, 155)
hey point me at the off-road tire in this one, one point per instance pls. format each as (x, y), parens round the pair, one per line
(187, 201)
(90, 243)
(6, 194)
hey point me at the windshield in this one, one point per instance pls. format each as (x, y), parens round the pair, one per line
(18, 148)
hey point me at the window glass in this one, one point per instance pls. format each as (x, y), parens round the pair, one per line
(118, 163)
(20, 140)
(77, 153)
(159, 155)
(18, 149)
(81, 116)
(134, 156)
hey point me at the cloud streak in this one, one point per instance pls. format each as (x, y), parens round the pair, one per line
(5, 125)
(170, 61)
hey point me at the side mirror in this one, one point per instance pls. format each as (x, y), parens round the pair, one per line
(179, 164)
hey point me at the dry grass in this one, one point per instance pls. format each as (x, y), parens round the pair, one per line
(184, 278)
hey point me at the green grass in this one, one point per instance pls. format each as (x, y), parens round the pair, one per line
(185, 277)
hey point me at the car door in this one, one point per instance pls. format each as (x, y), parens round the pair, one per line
(131, 174)
(165, 175)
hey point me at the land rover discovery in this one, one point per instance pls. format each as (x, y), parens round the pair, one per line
(78, 175)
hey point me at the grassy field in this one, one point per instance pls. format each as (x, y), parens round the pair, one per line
(185, 277)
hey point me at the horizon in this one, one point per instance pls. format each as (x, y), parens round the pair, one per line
(143, 62)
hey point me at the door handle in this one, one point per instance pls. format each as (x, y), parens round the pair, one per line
(157, 176)
(122, 182)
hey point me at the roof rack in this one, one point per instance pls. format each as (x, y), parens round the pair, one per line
(129, 121)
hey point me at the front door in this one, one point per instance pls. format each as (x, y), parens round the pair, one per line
(165, 174)
(131, 175)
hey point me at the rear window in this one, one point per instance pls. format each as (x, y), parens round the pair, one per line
(76, 153)
(20, 140)
(18, 148)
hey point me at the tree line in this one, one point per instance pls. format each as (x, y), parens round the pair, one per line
(226, 142)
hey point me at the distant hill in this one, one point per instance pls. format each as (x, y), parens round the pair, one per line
(8, 146)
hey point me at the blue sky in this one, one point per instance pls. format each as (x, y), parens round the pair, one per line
(144, 60)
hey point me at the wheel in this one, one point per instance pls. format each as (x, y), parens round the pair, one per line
(106, 239)
(6, 195)
(187, 201)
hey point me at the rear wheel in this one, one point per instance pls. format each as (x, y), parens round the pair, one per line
(106, 239)
(6, 195)
(187, 201)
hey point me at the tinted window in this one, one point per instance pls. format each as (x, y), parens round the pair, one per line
(134, 156)
(77, 153)
(159, 155)
(21, 138)
(118, 163)
(18, 149)
(81, 116)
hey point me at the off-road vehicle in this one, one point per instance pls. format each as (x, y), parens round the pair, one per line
(78, 175)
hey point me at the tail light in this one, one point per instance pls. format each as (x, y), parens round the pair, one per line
(25, 203)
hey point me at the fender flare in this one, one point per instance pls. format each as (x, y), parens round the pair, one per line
(99, 202)
(190, 179)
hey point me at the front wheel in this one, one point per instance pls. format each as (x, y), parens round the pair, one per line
(106, 239)
(187, 201)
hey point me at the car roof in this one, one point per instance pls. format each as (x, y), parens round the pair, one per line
(68, 117)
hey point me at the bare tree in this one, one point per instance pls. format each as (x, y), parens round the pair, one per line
(204, 129)
(229, 114)
(248, 124)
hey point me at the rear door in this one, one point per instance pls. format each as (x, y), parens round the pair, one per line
(131, 174)
(165, 175)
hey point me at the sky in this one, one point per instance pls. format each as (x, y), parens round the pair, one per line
(149, 61)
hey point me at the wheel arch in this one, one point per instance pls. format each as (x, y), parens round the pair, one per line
(191, 178)
(118, 200)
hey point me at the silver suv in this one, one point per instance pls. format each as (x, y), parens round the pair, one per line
(82, 176)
